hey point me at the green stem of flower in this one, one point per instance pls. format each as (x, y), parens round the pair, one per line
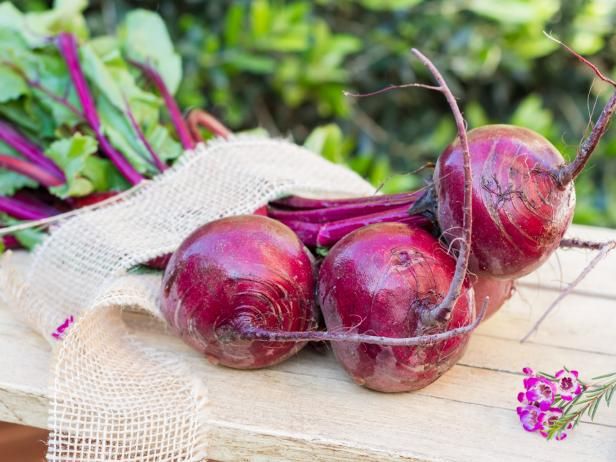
(586, 402)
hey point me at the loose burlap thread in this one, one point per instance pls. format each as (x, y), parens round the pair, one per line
(113, 397)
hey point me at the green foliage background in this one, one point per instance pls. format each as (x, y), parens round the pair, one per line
(283, 65)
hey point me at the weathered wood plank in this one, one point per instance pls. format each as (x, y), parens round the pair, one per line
(565, 265)
(308, 409)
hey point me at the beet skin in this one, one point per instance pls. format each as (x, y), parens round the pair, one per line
(240, 271)
(520, 211)
(498, 290)
(378, 280)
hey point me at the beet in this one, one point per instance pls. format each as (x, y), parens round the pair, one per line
(498, 291)
(381, 280)
(520, 211)
(235, 273)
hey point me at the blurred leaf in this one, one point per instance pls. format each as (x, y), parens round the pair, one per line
(233, 24)
(260, 18)
(248, 62)
(475, 115)
(380, 172)
(103, 175)
(327, 141)
(115, 82)
(122, 136)
(515, 11)
(401, 182)
(531, 114)
(145, 39)
(12, 85)
(70, 155)
(66, 16)
(381, 5)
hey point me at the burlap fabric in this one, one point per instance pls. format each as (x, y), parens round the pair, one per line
(113, 397)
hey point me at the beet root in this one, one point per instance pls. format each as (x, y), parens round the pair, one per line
(520, 209)
(380, 280)
(498, 292)
(245, 271)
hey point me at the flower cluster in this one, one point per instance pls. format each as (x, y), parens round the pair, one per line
(543, 399)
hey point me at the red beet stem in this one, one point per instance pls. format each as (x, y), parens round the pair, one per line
(327, 234)
(307, 232)
(31, 170)
(442, 312)
(304, 203)
(200, 118)
(10, 242)
(569, 172)
(67, 44)
(158, 163)
(575, 243)
(25, 210)
(340, 212)
(246, 331)
(330, 233)
(29, 150)
(172, 106)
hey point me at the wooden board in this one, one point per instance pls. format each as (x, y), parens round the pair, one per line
(308, 409)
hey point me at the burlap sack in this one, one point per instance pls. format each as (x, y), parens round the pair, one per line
(112, 397)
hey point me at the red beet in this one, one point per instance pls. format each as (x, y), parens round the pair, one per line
(520, 209)
(498, 291)
(236, 273)
(380, 280)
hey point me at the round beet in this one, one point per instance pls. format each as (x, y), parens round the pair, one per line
(379, 280)
(237, 272)
(498, 292)
(520, 209)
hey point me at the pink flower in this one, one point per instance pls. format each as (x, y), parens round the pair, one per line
(531, 417)
(57, 334)
(537, 412)
(540, 392)
(568, 385)
(551, 416)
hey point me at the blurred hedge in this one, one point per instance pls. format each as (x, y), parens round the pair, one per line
(283, 66)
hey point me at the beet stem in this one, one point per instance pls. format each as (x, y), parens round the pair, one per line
(443, 310)
(28, 149)
(33, 171)
(23, 210)
(332, 232)
(305, 203)
(10, 242)
(51, 219)
(67, 44)
(604, 250)
(172, 106)
(341, 212)
(307, 232)
(39, 86)
(248, 332)
(594, 68)
(327, 234)
(200, 118)
(569, 172)
(575, 243)
(160, 165)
